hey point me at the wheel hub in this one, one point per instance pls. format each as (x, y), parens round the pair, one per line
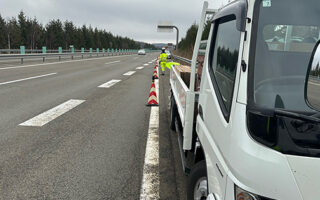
(201, 189)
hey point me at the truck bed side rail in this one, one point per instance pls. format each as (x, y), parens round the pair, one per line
(179, 91)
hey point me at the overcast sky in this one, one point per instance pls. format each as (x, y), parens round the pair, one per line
(136, 19)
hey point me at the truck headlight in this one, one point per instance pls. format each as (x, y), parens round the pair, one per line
(241, 194)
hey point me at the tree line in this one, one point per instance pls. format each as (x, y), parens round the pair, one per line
(315, 71)
(28, 32)
(186, 44)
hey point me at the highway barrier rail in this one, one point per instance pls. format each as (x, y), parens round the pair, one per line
(22, 54)
(53, 53)
(179, 58)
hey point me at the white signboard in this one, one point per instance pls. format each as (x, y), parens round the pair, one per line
(165, 26)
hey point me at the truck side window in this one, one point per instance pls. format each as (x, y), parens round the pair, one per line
(223, 60)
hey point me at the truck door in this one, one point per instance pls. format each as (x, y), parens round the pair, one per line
(217, 99)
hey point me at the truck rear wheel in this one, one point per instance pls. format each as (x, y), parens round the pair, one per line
(198, 182)
(173, 113)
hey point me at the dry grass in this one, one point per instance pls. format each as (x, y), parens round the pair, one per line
(184, 53)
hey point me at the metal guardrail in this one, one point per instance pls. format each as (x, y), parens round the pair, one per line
(60, 55)
(186, 60)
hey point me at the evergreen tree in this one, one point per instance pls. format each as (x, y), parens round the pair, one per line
(30, 33)
(3, 35)
(23, 28)
(14, 34)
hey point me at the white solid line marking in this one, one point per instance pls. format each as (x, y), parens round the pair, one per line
(314, 83)
(129, 73)
(112, 62)
(29, 78)
(7, 65)
(146, 64)
(53, 113)
(139, 67)
(150, 179)
(109, 83)
(55, 63)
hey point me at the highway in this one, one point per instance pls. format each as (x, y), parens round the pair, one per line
(77, 129)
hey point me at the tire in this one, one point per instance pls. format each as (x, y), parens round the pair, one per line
(198, 182)
(173, 114)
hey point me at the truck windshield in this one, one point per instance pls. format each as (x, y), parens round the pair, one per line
(285, 33)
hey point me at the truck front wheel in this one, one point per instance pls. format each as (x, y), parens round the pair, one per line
(198, 182)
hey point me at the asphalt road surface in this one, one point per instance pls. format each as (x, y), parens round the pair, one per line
(64, 137)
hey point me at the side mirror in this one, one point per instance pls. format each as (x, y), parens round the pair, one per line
(312, 87)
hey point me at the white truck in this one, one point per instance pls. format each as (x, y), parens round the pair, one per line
(252, 130)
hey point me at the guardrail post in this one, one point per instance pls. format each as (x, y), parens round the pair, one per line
(82, 52)
(103, 51)
(60, 52)
(90, 50)
(44, 51)
(97, 51)
(22, 50)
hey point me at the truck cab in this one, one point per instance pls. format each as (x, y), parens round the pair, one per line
(255, 135)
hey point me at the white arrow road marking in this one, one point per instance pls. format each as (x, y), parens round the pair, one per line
(139, 67)
(52, 114)
(29, 78)
(112, 62)
(109, 83)
(150, 179)
(129, 73)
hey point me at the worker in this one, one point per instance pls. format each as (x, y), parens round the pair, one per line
(163, 61)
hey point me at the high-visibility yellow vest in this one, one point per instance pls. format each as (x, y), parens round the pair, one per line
(163, 57)
(169, 64)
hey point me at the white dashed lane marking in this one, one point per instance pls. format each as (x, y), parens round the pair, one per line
(25, 79)
(52, 114)
(109, 83)
(129, 73)
(151, 178)
(112, 62)
(146, 64)
(139, 67)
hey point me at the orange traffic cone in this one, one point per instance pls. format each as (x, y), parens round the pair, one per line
(153, 100)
